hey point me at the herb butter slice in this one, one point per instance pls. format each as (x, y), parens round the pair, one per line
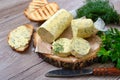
(62, 47)
(80, 47)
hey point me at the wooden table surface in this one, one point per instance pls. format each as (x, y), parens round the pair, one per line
(28, 66)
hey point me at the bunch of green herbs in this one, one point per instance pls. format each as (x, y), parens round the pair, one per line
(110, 48)
(58, 48)
(99, 8)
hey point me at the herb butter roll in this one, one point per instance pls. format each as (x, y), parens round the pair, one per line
(54, 27)
(80, 47)
(62, 47)
(82, 28)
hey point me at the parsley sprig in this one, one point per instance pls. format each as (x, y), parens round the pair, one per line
(110, 49)
(58, 48)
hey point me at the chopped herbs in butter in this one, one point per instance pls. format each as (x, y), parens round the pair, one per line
(58, 48)
(19, 37)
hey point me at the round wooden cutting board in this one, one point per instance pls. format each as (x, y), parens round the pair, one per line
(71, 62)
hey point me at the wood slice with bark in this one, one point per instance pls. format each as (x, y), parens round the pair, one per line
(44, 51)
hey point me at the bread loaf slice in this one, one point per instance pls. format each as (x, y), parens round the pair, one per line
(19, 38)
(40, 1)
(41, 11)
(35, 4)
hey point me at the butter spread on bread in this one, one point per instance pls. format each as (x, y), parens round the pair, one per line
(80, 47)
(62, 47)
(54, 27)
(20, 37)
(82, 28)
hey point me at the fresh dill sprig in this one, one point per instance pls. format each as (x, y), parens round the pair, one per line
(99, 8)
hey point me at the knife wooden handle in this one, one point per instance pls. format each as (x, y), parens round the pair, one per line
(106, 71)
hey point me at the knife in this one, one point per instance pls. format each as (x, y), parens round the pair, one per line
(75, 73)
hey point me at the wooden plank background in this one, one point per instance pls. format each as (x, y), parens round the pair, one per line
(28, 66)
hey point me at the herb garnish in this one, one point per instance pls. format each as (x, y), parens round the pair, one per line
(110, 49)
(99, 8)
(58, 48)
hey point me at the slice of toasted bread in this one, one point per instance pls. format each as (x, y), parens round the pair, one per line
(42, 13)
(20, 37)
(35, 4)
(40, 1)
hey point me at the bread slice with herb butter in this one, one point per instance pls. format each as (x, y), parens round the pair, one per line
(61, 47)
(20, 37)
(80, 47)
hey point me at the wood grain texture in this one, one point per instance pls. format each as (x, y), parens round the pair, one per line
(28, 65)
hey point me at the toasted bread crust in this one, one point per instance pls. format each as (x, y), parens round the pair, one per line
(41, 11)
(41, 1)
(21, 49)
(69, 62)
(36, 5)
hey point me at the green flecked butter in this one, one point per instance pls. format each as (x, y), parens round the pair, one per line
(83, 28)
(54, 27)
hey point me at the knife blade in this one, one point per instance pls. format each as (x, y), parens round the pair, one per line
(75, 73)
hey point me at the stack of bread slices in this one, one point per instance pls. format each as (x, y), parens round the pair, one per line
(41, 10)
